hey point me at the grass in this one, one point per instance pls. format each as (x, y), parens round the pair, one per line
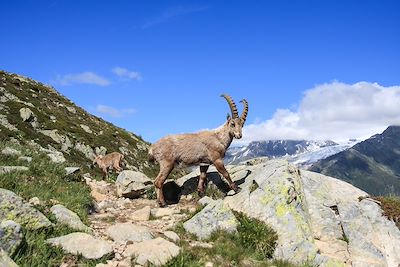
(391, 207)
(48, 182)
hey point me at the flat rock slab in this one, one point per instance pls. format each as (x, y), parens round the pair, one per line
(82, 243)
(141, 215)
(215, 216)
(71, 170)
(13, 207)
(157, 251)
(161, 212)
(68, 217)
(132, 184)
(7, 169)
(122, 232)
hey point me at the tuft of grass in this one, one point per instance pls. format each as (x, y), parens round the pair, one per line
(391, 207)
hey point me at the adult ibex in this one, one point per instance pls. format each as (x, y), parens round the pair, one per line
(202, 148)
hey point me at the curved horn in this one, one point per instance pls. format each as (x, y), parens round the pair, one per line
(245, 110)
(232, 105)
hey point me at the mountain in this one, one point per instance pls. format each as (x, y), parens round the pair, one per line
(35, 114)
(292, 149)
(372, 165)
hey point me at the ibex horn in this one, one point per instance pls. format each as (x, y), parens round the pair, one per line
(231, 105)
(245, 110)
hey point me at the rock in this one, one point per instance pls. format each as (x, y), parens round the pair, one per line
(27, 115)
(7, 169)
(35, 201)
(82, 243)
(67, 217)
(205, 200)
(27, 159)
(132, 184)
(157, 251)
(8, 151)
(172, 236)
(86, 128)
(85, 149)
(6, 261)
(161, 212)
(56, 157)
(215, 216)
(141, 215)
(15, 208)
(63, 140)
(71, 170)
(123, 232)
(10, 236)
(98, 197)
(4, 122)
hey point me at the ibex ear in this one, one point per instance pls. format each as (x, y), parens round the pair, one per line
(228, 117)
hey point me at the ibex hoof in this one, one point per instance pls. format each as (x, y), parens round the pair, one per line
(201, 193)
(162, 205)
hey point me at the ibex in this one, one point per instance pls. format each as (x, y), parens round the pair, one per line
(202, 148)
(112, 160)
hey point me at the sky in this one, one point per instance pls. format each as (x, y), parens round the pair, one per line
(309, 69)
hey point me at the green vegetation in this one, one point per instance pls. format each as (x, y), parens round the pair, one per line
(391, 207)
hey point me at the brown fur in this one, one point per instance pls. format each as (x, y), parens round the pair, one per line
(202, 148)
(112, 160)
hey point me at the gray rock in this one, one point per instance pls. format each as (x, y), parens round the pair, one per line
(56, 157)
(86, 128)
(7, 169)
(122, 232)
(4, 122)
(8, 151)
(132, 184)
(35, 201)
(157, 252)
(26, 114)
(10, 236)
(174, 237)
(142, 214)
(161, 212)
(85, 149)
(84, 244)
(27, 159)
(6, 261)
(71, 170)
(215, 216)
(67, 217)
(58, 138)
(15, 208)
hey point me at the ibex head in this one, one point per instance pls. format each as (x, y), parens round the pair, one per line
(234, 122)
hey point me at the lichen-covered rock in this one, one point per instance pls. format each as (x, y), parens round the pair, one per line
(10, 236)
(13, 207)
(67, 217)
(132, 184)
(122, 232)
(215, 216)
(5, 260)
(157, 252)
(84, 244)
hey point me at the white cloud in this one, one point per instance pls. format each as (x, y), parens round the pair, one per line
(87, 77)
(126, 74)
(335, 111)
(114, 112)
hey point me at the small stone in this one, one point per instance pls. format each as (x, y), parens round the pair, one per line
(141, 215)
(8, 151)
(27, 159)
(122, 232)
(172, 236)
(161, 212)
(209, 264)
(71, 170)
(35, 201)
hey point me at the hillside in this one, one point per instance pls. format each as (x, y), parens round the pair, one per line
(372, 165)
(35, 114)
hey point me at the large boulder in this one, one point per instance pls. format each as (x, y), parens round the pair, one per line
(10, 236)
(132, 184)
(84, 244)
(67, 217)
(215, 216)
(14, 208)
(157, 252)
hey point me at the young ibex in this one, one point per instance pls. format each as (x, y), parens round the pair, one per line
(112, 160)
(202, 148)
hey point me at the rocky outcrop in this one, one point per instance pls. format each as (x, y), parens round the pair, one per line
(67, 217)
(318, 219)
(132, 184)
(84, 244)
(14, 208)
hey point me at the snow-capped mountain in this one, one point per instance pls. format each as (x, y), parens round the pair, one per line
(301, 152)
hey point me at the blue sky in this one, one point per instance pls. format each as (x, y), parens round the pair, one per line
(159, 67)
